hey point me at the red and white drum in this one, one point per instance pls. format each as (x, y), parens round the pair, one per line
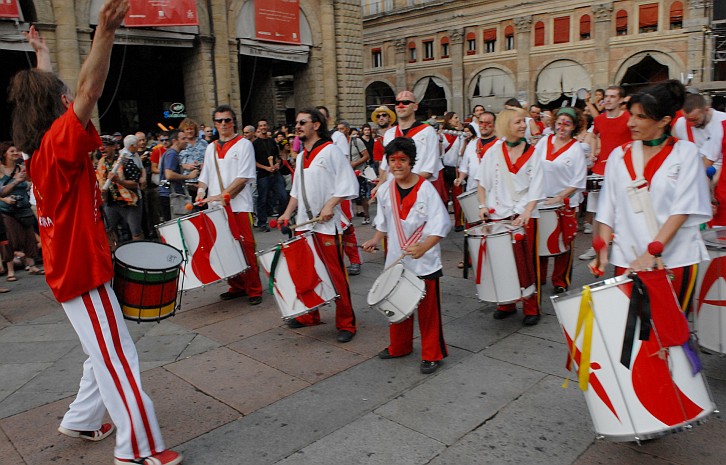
(396, 293)
(502, 268)
(297, 276)
(469, 202)
(656, 395)
(549, 229)
(211, 244)
(710, 314)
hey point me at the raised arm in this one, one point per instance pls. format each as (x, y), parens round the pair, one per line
(42, 53)
(94, 71)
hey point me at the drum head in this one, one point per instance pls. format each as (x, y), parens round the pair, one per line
(385, 284)
(492, 229)
(715, 238)
(148, 255)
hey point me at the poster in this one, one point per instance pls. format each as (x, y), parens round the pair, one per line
(149, 13)
(278, 21)
(9, 9)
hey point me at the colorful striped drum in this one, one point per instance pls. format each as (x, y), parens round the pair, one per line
(146, 276)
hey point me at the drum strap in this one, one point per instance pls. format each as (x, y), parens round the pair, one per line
(639, 308)
(306, 204)
(273, 269)
(219, 174)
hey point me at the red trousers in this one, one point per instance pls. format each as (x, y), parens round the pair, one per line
(249, 281)
(329, 249)
(562, 271)
(684, 283)
(530, 305)
(350, 245)
(433, 346)
(458, 213)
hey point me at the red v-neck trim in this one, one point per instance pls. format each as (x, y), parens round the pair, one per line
(404, 207)
(653, 164)
(515, 167)
(412, 131)
(222, 150)
(308, 157)
(551, 146)
(482, 149)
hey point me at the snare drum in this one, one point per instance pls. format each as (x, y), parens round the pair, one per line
(594, 182)
(652, 397)
(469, 202)
(300, 280)
(396, 293)
(211, 243)
(549, 230)
(710, 314)
(145, 280)
(502, 269)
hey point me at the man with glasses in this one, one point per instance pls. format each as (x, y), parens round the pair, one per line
(328, 179)
(382, 119)
(231, 160)
(428, 163)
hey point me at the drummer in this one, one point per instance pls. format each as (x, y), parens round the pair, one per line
(564, 167)
(677, 191)
(510, 185)
(420, 220)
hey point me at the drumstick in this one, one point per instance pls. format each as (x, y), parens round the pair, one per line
(655, 248)
(115, 169)
(285, 229)
(403, 255)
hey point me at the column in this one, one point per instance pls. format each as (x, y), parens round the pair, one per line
(460, 101)
(68, 58)
(602, 76)
(401, 60)
(223, 66)
(523, 26)
(330, 67)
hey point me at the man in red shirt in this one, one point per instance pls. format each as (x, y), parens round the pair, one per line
(611, 130)
(60, 135)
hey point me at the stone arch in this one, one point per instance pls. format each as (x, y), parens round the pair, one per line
(672, 62)
(560, 78)
(491, 86)
(430, 98)
(379, 92)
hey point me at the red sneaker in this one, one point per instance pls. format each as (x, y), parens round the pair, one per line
(102, 433)
(167, 457)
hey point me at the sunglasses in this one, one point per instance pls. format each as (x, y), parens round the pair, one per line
(382, 115)
(404, 102)
(163, 140)
(302, 122)
(223, 120)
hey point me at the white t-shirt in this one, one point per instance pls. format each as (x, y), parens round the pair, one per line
(569, 169)
(678, 187)
(427, 150)
(526, 183)
(470, 164)
(238, 162)
(708, 139)
(329, 175)
(427, 208)
(450, 146)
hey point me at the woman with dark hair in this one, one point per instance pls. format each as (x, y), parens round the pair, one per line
(451, 145)
(655, 189)
(17, 215)
(510, 185)
(55, 127)
(564, 167)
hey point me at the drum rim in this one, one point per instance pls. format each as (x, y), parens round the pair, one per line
(466, 194)
(190, 215)
(504, 222)
(711, 244)
(304, 235)
(597, 286)
(553, 206)
(129, 266)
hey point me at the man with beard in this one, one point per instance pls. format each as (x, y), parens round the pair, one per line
(703, 126)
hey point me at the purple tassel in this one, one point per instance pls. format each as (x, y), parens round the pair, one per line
(692, 354)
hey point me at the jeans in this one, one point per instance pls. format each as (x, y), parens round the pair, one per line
(275, 185)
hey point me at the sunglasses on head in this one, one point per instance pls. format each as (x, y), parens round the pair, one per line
(223, 120)
(404, 102)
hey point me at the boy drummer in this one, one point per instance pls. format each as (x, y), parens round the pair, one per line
(411, 209)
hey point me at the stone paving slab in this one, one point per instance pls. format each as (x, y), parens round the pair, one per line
(248, 323)
(545, 425)
(15, 375)
(8, 452)
(38, 333)
(531, 352)
(478, 330)
(34, 352)
(456, 401)
(371, 440)
(284, 350)
(236, 380)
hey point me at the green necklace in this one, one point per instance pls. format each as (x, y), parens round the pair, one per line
(655, 142)
(514, 144)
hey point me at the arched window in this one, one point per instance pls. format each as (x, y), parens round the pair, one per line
(539, 33)
(621, 23)
(561, 30)
(509, 37)
(676, 16)
(470, 43)
(412, 52)
(648, 17)
(445, 47)
(585, 24)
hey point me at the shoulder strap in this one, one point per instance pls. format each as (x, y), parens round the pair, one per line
(219, 175)
(306, 204)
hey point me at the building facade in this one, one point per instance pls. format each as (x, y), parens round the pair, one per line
(455, 54)
(220, 61)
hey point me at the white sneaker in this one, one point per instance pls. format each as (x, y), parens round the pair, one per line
(587, 229)
(588, 255)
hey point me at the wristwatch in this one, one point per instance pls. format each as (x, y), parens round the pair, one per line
(482, 206)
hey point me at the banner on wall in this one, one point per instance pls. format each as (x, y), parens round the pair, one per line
(149, 13)
(278, 21)
(9, 9)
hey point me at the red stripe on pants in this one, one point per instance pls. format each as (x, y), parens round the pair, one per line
(433, 346)
(249, 281)
(458, 213)
(329, 249)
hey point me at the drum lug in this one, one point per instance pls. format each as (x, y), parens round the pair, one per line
(599, 437)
